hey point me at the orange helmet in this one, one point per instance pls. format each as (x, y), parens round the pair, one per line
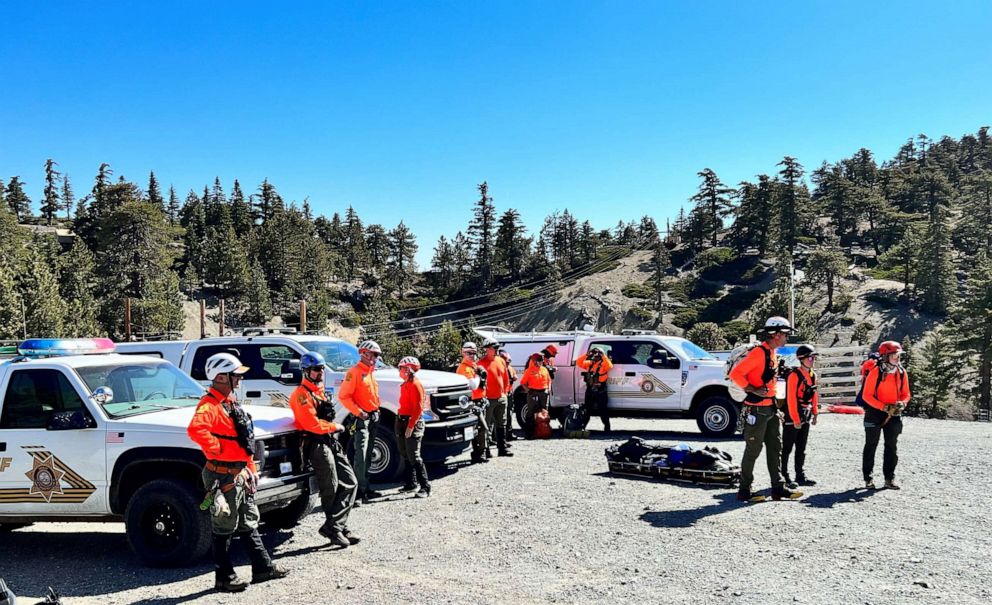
(889, 347)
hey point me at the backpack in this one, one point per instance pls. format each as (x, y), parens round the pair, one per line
(736, 356)
(542, 425)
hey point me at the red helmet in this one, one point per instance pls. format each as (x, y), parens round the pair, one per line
(889, 347)
(552, 350)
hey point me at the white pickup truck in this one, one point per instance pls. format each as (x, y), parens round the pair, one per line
(273, 358)
(102, 437)
(652, 377)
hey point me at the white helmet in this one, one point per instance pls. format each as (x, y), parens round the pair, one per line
(505, 355)
(410, 362)
(469, 347)
(777, 324)
(223, 363)
(490, 342)
(371, 346)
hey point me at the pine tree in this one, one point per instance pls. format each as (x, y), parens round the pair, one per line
(973, 231)
(834, 191)
(77, 281)
(934, 377)
(792, 201)
(355, 252)
(193, 218)
(377, 243)
(68, 198)
(588, 243)
(713, 203)
(100, 184)
(936, 282)
(461, 252)
(226, 263)
(826, 265)
(662, 261)
(269, 201)
(18, 201)
(254, 306)
(3, 201)
(511, 245)
(753, 216)
(44, 308)
(442, 263)
(241, 215)
(11, 322)
(402, 265)
(973, 325)
(155, 192)
(904, 257)
(51, 204)
(172, 210)
(480, 233)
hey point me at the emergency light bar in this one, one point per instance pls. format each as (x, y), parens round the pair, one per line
(60, 347)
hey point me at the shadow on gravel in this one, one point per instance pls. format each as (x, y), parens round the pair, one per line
(687, 518)
(851, 496)
(685, 484)
(659, 436)
(177, 600)
(100, 563)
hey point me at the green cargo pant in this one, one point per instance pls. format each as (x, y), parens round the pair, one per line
(244, 512)
(365, 432)
(335, 479)
(481, 441)
(766, 431)
(494, 420)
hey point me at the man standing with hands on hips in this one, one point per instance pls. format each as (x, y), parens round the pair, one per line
(359, 394)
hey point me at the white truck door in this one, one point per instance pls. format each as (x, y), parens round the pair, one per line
(44, 471)
(270, 379)
(645, 375)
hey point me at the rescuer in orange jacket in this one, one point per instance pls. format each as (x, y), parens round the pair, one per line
(536, 381)
(597, 366)
(359, 394)
(886, 393)
(509, 400)
(757, 375)
(802, 409)
(224, 432)
(476, 376)
(314, 414)
(497, 380)
(410, 426)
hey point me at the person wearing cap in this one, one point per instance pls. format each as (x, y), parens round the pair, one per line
(223, 430)
(757, 375)
(597, 368)
(536, 382)
(496, 382)
(509, 388)
(802, 409)
(476, 376)
(314, 414)
(410, 426)
(886, 393)
(359, 394)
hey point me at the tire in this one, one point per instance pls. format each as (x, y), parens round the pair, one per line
(164, 524)
(519, 402)
(717, 417)
(290, 515)
(387, 463)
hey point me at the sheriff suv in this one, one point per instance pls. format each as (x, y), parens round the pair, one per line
(653, 376)
(102, 437)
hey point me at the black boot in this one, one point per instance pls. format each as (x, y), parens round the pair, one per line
(425, 486)
(787, 480)
(262, 568)
(501, 442)
(479, 456)
(802, 479)
(225, 579)
(411, 484)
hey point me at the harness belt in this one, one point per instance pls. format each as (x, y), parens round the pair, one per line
(225, 468)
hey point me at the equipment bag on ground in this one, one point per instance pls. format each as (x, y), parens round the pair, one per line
(673, 462)
(542, 425)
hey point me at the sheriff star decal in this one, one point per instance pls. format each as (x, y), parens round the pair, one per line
(652, 387)
(52, 482)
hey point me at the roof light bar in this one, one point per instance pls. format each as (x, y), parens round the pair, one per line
(61, 347)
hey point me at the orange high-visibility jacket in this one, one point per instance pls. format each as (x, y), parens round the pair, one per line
(467, 370)
(795, 391)
(600, 368)
(304, 402)
(751, 371)
(536, 377)
(885, 388)
(497, 378)
(413, 401)
(213, 430)
(359, 391)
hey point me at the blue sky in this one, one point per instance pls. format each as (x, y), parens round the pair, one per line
(608, 109)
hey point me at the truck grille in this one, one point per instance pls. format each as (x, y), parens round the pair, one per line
(272, 452)
(445, 402)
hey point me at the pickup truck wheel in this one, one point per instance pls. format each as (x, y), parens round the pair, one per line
(519, 402)
(164, 524)
(717, 417)
(290, 515)
(386, 463)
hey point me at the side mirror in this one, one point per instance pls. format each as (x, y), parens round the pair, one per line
(69, 421)
(103, 395)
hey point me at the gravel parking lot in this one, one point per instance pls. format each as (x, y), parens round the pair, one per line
(551, 525)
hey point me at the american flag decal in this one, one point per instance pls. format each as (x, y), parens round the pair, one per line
(114, 437)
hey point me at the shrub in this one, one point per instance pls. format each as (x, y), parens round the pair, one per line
(736, 331)
(636, 290)
(862, 332)
(641, 314)
(842, 302)
(685, 318)
(708, 335)
(714, 257)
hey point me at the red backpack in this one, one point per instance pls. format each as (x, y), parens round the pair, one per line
(542, 425)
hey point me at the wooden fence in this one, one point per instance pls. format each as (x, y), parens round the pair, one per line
(838, 372)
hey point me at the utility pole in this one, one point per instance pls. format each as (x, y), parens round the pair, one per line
(303, 316)
(127, 319)
(203, 318)
(220, 331)
(792, 294)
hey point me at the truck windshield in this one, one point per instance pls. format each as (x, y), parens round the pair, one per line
(142, 387)
(339, 356)
(693, 351)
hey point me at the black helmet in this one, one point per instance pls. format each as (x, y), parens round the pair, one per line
(804, 351)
